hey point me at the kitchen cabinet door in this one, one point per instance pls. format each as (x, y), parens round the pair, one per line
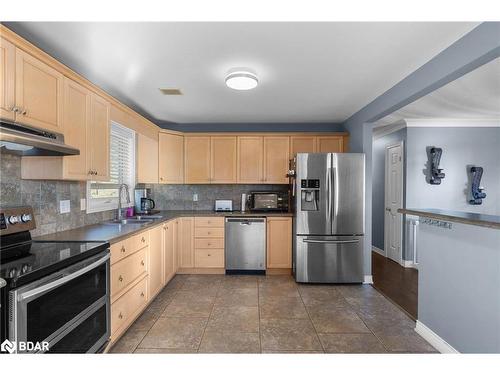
(156, 254)
(197, 160)
(171, 158)
(176, 246)
(186, 242)
(147, 160)
(169, 250)
(7, 80)
(99, 138)
(276, 159)
(250, 159)
(302, 144)
(223, 159)
(331, 144)
(76, 120)
(279, 242)
(39, 93)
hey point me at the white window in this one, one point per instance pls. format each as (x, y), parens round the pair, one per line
(102, 196)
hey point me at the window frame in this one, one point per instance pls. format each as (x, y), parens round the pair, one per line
(94, 205)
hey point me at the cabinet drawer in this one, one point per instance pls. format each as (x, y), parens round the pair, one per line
(209, 232)
(121, 250)
(209, 243)
(124, 309)
(127, 270)
(209, 258)
(209, 222)
(139, 240)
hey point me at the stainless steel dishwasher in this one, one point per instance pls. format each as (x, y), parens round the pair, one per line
(245, 245)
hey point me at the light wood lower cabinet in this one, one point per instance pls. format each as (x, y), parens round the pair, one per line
(209, 242)
(186, 242)
(169, 249)
(156, 260)
(279, 242)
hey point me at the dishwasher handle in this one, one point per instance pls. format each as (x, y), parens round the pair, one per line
(246, 221)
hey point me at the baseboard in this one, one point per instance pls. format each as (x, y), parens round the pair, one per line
(435, 340)
(409, 264)
(368, 279)
(279, 271)
(378, 251)
(201, 271)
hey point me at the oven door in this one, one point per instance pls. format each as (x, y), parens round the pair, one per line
(68, 309)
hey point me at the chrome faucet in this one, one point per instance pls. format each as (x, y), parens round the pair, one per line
(119, 214)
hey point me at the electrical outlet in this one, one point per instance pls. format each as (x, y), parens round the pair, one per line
(195, 197)
(64, 206)
(83, 204)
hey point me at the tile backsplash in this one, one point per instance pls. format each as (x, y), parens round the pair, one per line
(180, 197)
(44, 197)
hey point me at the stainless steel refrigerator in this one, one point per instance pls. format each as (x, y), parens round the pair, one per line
(329, 218)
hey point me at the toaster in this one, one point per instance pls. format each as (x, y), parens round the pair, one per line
(223, 205)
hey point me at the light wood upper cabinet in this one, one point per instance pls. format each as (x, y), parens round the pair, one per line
(279, 242)
(171, 158)
(331, 144)
(7, 79)
(186, 242)
(302, 144)
(99, 138)
(39, 93)
(276, 159)
(197, 160)
(156, 245)
(250, 159)
(223, 159)
(76, 120)
(147, 160)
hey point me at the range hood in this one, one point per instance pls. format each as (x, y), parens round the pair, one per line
(24, 140)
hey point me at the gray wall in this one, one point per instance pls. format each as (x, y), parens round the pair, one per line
(462, 147)
(378, 184)
(255, 127)
(44, 197)
(180, 197)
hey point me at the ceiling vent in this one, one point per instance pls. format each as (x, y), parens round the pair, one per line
(171, 91)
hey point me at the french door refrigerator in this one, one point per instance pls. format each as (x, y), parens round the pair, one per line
(329, 218)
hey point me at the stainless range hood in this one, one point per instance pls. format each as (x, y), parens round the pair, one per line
(27, 141)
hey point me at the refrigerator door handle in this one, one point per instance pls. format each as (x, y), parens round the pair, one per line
(330, 241)
(329, 193)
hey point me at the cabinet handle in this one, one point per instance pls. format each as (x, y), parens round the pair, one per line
(142, 294)
(123, 249)
(14, 109)
(24, 112)
(161, 178)
(209, 244)
(209, 254)
(120, 316)
(143, 240)
(142, 263)
(120, 278)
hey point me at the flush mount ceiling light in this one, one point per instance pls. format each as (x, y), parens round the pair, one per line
(241, 80)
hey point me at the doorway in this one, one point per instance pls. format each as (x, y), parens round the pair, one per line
(393, 221)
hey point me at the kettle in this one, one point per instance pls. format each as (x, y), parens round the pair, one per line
(147, 204)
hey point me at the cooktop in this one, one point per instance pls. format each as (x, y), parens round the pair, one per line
(25, 262)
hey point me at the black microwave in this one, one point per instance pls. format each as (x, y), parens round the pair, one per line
(268, 201)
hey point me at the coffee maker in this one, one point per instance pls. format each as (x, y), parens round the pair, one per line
(144, 205)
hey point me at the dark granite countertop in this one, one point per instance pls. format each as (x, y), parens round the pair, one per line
(116, 232)
(482, 220)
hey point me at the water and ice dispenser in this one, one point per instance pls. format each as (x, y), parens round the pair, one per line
(309, 195)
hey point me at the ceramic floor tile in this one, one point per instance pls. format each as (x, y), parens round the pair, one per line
(351, 343)
(192, 308)
(411, 342)
(288, 335)
(175, 333)
(283, 307)
(128, 342)
(235, 319)
(230, 342)
(237, 297)
(328, 320)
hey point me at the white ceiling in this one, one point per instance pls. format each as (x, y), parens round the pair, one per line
(308, 72)
(475, 95)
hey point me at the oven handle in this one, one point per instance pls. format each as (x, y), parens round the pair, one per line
(331, 241)
(63, 280)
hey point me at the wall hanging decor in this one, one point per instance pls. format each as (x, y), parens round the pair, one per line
(436, 174)
(476, 189)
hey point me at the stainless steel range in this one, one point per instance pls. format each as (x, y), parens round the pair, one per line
(56, 294)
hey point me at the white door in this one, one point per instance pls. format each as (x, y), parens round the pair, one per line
(393, 223)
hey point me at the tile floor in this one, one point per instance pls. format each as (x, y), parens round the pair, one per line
(269, 314)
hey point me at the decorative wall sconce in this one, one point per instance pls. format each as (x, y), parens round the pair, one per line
(436, 173)
(476, 189)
